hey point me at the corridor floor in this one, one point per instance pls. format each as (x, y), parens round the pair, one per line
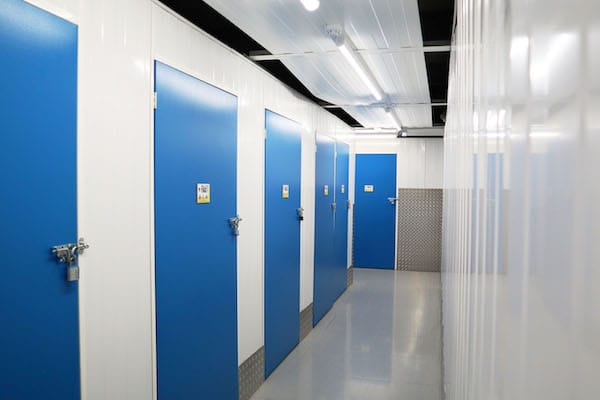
(381, 341)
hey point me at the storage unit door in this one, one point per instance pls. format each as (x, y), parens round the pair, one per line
(342, 158)
(195, 196)
(374, 214)
(39, 326)
(282, 238)
(325, 287)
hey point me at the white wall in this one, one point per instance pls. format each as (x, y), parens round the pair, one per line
(521, 264)
(420, 161)
(118, 41)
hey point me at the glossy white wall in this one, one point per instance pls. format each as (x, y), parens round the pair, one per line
(521, 261)
(419, 161)
(118, 41)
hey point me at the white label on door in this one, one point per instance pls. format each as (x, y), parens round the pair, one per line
(343, 189)
(203, 193)
(326, 190)
(285, 191)
(369, 189)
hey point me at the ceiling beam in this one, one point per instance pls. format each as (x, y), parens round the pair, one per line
(260, 56)
(384, 105)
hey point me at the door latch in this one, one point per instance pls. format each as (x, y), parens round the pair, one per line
(68, 254)
(333, 207)
(300, 212)
(234, 223)
(393, 200)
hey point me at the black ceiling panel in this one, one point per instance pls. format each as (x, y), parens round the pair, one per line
(209, 20)
(437, 18)
(344, 116)
(438, 65)
(439, 115)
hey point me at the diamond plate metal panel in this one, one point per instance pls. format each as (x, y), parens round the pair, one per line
(350, 277)
(420, 229)
(306, 321)
(251, 374)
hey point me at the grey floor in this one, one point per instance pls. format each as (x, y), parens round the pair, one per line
(381, 340)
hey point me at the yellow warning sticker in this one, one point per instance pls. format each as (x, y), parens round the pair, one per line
(203, 193)
(369, 189)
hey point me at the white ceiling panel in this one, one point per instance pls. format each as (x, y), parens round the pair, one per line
(376, 117)
(374, 26)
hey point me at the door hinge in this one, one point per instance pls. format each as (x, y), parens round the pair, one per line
(155, 100)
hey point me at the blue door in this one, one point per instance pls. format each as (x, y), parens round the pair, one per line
(282, 238)
(342, 158)
(374, 215)
(325, 287)
(39, 341)
(195, 138)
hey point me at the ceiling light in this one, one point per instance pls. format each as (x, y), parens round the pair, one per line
(375, 130)
(397, 122)
(336, 33)
(352, 60)
(365, 136)
(310, 5)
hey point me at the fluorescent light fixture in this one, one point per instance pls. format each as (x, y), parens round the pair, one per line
(353, 61)
(375, 130)
(397, 121)
(367, 136)
(310, 5)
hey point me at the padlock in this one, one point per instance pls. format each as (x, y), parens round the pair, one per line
(72, 273)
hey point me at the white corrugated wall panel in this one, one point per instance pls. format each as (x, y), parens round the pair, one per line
(521, 226)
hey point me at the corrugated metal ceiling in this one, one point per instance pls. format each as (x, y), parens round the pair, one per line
(386, 32)
(381, 30)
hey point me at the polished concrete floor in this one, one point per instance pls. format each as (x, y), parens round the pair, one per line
(381, 341)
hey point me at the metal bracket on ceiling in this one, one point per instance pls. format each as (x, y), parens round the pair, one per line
(262, 56)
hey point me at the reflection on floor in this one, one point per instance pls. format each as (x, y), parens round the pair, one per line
(381, 340)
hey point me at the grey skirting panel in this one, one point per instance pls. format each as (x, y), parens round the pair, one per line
(251, 374)
(420, 229)
(306, 321)
(350, 277)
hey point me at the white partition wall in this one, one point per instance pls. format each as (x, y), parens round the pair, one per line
(521, 222)
(118, 42)
(420, 160)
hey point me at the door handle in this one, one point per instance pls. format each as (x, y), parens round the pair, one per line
(393, 200)
(333, 207)
(68, 253)
(300, 212)
(234, 223)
